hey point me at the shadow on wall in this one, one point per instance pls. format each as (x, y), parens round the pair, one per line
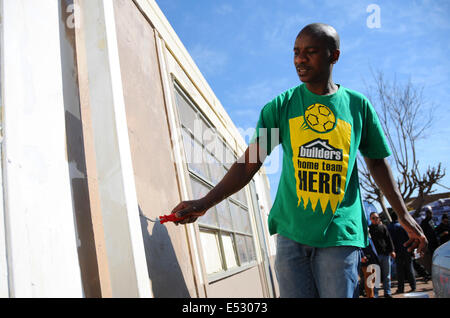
(162, 263)
(76, 158)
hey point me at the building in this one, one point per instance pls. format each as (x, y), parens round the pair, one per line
(106, 122)
(413, 203)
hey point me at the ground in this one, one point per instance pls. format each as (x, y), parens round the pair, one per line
(423, 289)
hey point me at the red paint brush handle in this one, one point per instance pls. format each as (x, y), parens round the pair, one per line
(169, 218)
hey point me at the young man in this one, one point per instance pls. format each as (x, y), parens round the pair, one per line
(403, 259)
(317, 212)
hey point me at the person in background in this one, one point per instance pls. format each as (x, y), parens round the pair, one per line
(403, 259)
(428, 227)
(443, 229)
(385, 250)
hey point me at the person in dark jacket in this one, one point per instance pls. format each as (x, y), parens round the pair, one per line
(443, 229)
(385, 250)
(403, 258)
(428, 228)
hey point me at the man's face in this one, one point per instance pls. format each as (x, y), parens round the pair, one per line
(375, 219)
(312, 59)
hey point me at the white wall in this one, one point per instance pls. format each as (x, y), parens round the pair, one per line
(39, 223)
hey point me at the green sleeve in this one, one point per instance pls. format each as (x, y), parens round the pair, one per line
(267, 129)
(373, 140)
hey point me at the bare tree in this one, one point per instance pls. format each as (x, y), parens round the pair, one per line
(401, 110)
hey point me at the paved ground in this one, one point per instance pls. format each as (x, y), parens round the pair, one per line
(422, 289)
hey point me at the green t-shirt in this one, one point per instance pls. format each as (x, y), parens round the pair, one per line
(318, 201)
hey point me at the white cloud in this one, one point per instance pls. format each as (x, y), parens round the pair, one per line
(224, 9)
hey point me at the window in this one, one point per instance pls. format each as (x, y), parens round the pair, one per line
(225, 231)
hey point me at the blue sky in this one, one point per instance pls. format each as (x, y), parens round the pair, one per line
(244, 50)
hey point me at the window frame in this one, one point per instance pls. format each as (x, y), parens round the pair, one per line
(206, 180)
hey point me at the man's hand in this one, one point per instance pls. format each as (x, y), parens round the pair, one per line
(240, 173)
(416, 237)
(190, 210)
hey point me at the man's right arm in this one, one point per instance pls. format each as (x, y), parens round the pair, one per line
(239, 175)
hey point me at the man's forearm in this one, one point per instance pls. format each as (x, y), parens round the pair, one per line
(236, 178)
(239, 175)
(382, 174)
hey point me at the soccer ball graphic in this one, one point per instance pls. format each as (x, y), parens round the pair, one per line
(320, 118)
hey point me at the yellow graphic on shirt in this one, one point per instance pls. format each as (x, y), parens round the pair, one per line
(320, 118)
(320, 157)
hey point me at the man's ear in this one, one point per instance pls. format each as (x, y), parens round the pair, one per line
(334, 56)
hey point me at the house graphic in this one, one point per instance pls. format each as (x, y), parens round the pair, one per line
(321, 143)
(320, 149)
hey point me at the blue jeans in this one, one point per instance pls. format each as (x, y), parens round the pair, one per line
(385, 266)
(309, 272)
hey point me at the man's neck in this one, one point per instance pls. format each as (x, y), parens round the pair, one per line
(323, 88)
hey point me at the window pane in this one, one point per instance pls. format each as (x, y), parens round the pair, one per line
(199, 190)
(187, 113)
(199, 129)
(215, 168)
(228, 249)
(210, 245)
(223, 213)
(242, 197)
(235, 216)
(250, 248)
(209, 136)
(217, 148)
(241, 221)
(194, 155)
(206, 164)
(242, 249)
(188, 144)
(199, 162)
(245, 221)
(230, 158)
(209, 218)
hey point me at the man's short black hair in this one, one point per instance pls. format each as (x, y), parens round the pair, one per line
(325, 32)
